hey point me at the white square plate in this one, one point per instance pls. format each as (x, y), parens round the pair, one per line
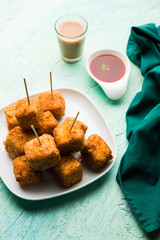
(49, 187)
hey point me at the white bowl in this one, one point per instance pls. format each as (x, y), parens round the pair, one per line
(114, 90)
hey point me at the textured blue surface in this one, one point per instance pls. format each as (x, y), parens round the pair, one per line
(29, 49)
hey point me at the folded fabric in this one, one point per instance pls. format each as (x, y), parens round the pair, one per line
(139, 170)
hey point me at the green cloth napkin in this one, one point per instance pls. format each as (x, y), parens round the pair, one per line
(139, 170)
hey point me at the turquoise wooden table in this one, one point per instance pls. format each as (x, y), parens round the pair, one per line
(29, 49)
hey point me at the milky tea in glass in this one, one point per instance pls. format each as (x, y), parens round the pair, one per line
(71, 31)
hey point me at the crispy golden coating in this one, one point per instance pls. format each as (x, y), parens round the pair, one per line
(15, 141)
(28, 115)
(73, 141)
(96, 152)
(48, 123)
(44, 155)
(55, 104)
(69, 171)
(10, 117)
(24, 173)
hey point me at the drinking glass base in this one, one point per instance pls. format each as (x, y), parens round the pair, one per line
(71, 60)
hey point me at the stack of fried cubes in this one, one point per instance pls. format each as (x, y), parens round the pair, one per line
(56, 142)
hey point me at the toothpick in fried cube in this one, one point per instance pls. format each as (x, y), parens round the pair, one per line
(54, 103)
(44, 154)
(70, 141)
(28, 115)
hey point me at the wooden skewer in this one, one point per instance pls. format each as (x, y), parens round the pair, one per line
(26, 91)
(51, 85)
(35, 133)
(74, 121)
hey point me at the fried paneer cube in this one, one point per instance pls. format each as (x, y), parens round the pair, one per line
(96, 152)
(24, 173)
(69, 171)
(28, 115)
(44, 155)
(70, 141)
(15, 141)
(54, 103)
(48, 123)
(10, 117)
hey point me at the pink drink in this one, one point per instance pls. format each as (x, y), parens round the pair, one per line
(71, 36)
